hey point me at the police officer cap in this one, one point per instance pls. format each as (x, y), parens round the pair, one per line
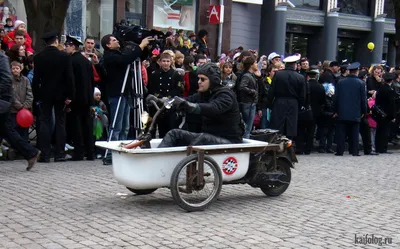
(73, 41)
(292, 58)
(389, 77)
(353, 66)
(50, 35)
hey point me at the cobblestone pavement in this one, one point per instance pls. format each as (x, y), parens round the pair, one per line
(76, 205)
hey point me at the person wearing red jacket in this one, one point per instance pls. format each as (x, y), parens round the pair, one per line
(20, 39)
(10, 36)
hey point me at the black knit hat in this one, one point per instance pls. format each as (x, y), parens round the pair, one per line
(213, 72)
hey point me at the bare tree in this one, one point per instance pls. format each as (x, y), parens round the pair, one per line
(396, 4)
(43, 16)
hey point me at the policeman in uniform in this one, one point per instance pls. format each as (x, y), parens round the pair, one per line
(287, 94)
(53, 87)
(81, 106)
(350, 106)
(166, 83)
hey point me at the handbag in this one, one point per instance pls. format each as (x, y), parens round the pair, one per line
(4, 106)
(377, 113)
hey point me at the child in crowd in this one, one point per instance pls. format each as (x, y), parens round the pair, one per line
(100, 121)
(23, 96)
(371, 121)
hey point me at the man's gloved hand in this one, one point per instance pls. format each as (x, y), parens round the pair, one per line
(151, 97)
(188, 107)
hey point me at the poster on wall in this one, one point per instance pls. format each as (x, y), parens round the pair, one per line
(175, 14)
(7, 10)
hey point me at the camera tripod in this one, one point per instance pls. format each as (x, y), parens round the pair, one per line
(137, 96)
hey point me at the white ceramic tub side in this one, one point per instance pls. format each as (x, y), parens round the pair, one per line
(152, 168)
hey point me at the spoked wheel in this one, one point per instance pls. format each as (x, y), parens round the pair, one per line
(279, 188)
(187, 193)
(141, 191)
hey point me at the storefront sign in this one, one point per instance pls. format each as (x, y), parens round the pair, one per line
(216, 14)
(250, 1)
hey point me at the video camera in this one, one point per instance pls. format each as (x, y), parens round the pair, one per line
(136, 34)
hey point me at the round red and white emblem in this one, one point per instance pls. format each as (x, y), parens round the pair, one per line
(229, 165)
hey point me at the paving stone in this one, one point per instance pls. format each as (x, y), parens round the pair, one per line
(75, 205)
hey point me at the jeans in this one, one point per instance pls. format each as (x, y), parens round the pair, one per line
(265, 118)
(8, 132)
(121, 127)
(373, 134)
(248, 113)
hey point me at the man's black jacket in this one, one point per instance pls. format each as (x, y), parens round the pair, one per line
(115, 65)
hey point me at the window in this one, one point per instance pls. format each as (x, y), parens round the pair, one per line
(312, 4)
(177, 14)
(389, 9)
(355, 7)
(346, 49)
(296, 43)
(13, 9)
(99, 18)
(134, 12)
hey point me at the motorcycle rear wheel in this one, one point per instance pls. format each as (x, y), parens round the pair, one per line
(272, 190)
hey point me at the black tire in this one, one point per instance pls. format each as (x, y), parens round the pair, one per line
(284, 167)
(141, 191)
(176, 193)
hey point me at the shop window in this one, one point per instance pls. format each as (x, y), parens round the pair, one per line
(355, 7)
(99, 18)
(175, 14)
(296, 43)
(134, 12)
(389, 9)
(13, 9)
(346, 49)
(310, 4)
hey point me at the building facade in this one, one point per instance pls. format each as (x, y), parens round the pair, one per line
(96, 18)
(318, 29)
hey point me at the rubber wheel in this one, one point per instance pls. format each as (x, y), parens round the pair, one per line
(271, 190)
(183, 199)
(141, 191)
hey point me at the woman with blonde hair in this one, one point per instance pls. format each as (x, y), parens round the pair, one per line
(179, 57)
(374, 81)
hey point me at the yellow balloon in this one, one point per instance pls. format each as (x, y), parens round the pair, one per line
(371, 45)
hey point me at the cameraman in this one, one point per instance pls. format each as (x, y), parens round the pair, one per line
(115, 65)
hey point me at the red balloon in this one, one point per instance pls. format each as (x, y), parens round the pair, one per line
(24, 118)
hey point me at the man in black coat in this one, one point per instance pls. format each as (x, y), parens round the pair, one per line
(81, 105)
(53, 87)
(385, 99)
(328, 76)
(306, 123)
(115, 65)
(287, 94)
(350, 106)
(217, 104)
